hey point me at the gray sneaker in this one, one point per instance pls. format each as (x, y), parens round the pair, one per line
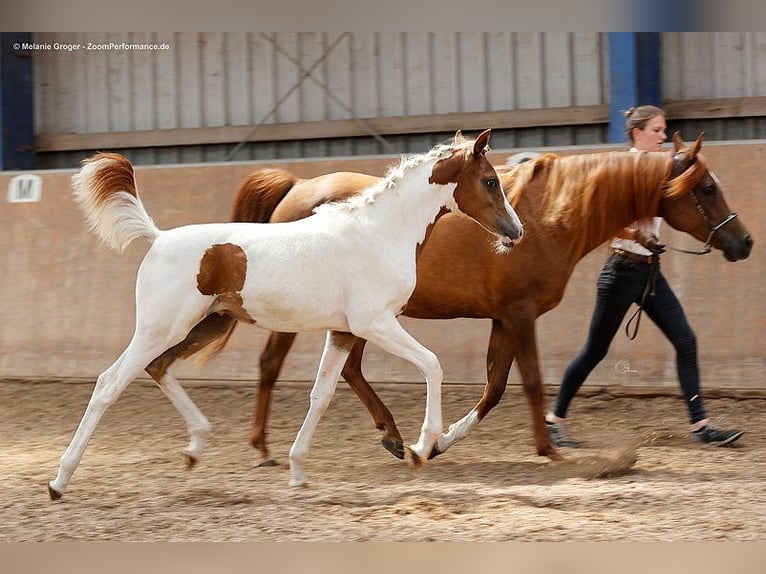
(559, 435)
(715, 436)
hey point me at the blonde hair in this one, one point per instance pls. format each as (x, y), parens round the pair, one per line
(639, 116)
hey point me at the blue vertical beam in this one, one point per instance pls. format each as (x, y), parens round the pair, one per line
(634, 76)
(17, 146)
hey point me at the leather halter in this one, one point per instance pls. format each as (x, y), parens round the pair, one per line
(713, 228)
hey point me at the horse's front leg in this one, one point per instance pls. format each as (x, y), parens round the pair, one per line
(529, 368)
(336, 349)
(384, 420)
(499, 360)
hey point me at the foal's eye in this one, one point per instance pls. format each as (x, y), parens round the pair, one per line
(492, 183)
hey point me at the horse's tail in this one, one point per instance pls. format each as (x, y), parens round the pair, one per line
(259, 195)
(105, 189)
(256, 200)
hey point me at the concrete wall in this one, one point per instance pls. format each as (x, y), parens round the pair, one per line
(68, 302)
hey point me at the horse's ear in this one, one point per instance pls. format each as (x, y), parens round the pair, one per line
(481, 143)
(459, 138)
(678, 143)
(696, 145)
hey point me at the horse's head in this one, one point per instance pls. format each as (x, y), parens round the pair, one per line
(694, 203)
(478, 192)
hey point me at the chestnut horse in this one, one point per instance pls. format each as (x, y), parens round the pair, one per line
(570, 205)
(360, 251)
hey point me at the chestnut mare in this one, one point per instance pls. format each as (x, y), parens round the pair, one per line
(570, 205)
(360, 251)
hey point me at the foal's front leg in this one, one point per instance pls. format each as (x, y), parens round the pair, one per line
(336, 349)
(390, 336)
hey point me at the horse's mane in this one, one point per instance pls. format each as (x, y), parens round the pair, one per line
(393, 175)
(586, 193)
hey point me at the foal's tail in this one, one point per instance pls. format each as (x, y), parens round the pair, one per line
(256, 199)
(105, 189)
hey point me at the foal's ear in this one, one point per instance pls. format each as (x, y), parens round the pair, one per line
(481, 143)
(446, 170)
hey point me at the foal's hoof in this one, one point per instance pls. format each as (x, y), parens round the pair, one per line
(395, 447)
(434, 452)
(54, 494)
(412, 458)
(265, 463)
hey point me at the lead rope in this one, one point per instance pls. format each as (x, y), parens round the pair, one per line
(649, 291)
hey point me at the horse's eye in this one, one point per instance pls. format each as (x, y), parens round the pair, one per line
(492, 184)
(708, 189)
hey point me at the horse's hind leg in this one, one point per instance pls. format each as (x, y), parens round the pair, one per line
(110, 384)
(272, 358)
(352, 372)
(336, 349)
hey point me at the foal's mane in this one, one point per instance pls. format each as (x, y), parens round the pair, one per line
(586, 193)
(394, 174)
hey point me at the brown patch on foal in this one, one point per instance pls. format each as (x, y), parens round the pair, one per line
(222, 273)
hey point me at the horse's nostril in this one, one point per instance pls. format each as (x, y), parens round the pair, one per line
(748, 241)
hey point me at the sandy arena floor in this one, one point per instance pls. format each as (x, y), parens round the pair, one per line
(132, 484)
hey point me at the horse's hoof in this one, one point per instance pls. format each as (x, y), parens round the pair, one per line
(551, 453)
(434, 452)
(265, 463)
(412, 458)
(394, 447)
(191, 461)
(54, 494)
(298, 482)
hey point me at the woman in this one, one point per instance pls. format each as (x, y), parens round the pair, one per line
(622, 282)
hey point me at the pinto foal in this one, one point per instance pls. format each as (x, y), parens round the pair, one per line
(347, 269)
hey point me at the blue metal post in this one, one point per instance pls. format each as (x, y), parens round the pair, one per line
(634, 76)
(17, 146)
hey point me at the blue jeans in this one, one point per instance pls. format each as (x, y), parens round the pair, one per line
(620, 284)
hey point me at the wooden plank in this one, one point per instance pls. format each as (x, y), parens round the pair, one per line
(708, 108)
(119, 102)
(142, 78)
(237, 78)
(472, 72)
(418, 95)
(420, 124)
(337, 73)
(446, 72)
(363, 70)
(500, 94)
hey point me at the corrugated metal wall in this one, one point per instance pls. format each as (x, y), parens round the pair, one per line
(219, 79)
(698, 65)
(240, 79)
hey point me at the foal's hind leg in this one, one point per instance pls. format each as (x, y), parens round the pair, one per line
(336, 349)
(110, 384)
(210, 329)
(384, 420)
